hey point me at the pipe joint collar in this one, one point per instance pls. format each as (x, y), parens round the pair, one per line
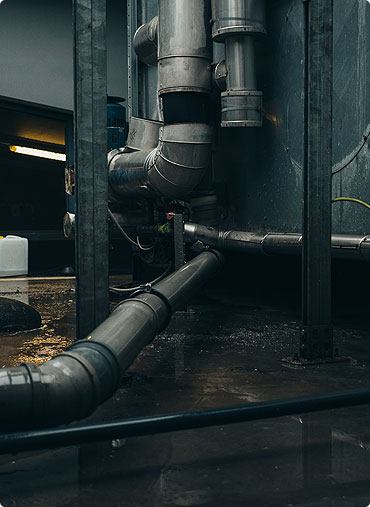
(241, 108)
(38, 392)
(105, 352)
(151, 290)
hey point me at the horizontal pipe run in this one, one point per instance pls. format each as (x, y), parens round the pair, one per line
(350, 247)
(46, 439)
(71, 385)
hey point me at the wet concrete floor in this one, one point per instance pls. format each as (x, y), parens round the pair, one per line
(228, 352)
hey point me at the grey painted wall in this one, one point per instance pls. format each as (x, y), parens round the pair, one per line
(36, 50)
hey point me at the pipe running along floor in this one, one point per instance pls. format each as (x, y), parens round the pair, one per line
(227, 352)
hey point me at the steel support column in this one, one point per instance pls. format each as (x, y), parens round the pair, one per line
(90, 122)
(316, 334)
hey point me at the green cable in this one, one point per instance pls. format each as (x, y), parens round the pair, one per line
(351, 199)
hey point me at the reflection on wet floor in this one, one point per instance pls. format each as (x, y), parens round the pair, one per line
(55, 300)
(228, 352)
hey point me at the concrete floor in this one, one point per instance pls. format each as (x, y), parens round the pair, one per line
(228, 352)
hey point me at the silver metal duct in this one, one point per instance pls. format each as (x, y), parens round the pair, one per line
(185, 48)
(171, 170)
(146, 42)
(143, 134)
(231, 17)
(178, 162)
(273, 243)
(71, 385)
(236, 23)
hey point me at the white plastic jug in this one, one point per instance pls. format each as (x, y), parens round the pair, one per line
(13, 256)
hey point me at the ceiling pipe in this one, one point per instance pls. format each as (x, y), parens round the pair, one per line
(343, 246)
(70, 386)
(178, 163)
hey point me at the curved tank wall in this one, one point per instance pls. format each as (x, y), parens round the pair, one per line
(259, 170)
(264, 166)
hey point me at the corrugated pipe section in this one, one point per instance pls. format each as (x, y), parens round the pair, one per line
(70, 386)
(177, 164)
(344, 246)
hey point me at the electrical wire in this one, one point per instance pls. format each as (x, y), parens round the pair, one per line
(126, 236)
(351, 199)
(142, 286)
(354, 156)
(144, 248)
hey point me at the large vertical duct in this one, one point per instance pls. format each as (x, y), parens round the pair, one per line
(236, 23)
(177, 165)
(185, 50)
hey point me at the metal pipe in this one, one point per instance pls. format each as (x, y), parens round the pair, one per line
(71, 385)
(185, 47)
(236, 23)
(172, 170)
(178, 163)
(146, 42)
(343, 246)
(180, 421)
(241, 67)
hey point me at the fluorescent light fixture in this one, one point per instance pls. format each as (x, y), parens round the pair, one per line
(38, 153)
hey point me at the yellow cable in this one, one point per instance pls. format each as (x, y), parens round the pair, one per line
(351, 199)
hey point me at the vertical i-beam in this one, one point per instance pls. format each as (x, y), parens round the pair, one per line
(90, 123)
(316, 333)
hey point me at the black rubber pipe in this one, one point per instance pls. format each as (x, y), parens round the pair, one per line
(46, 439)
(70, 386)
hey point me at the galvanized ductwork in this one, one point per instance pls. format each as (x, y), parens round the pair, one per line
(146, 42)
(236, 23)
(71, 385)
(178, 162)
(343, 246)
(185, 49)
(171, 170)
